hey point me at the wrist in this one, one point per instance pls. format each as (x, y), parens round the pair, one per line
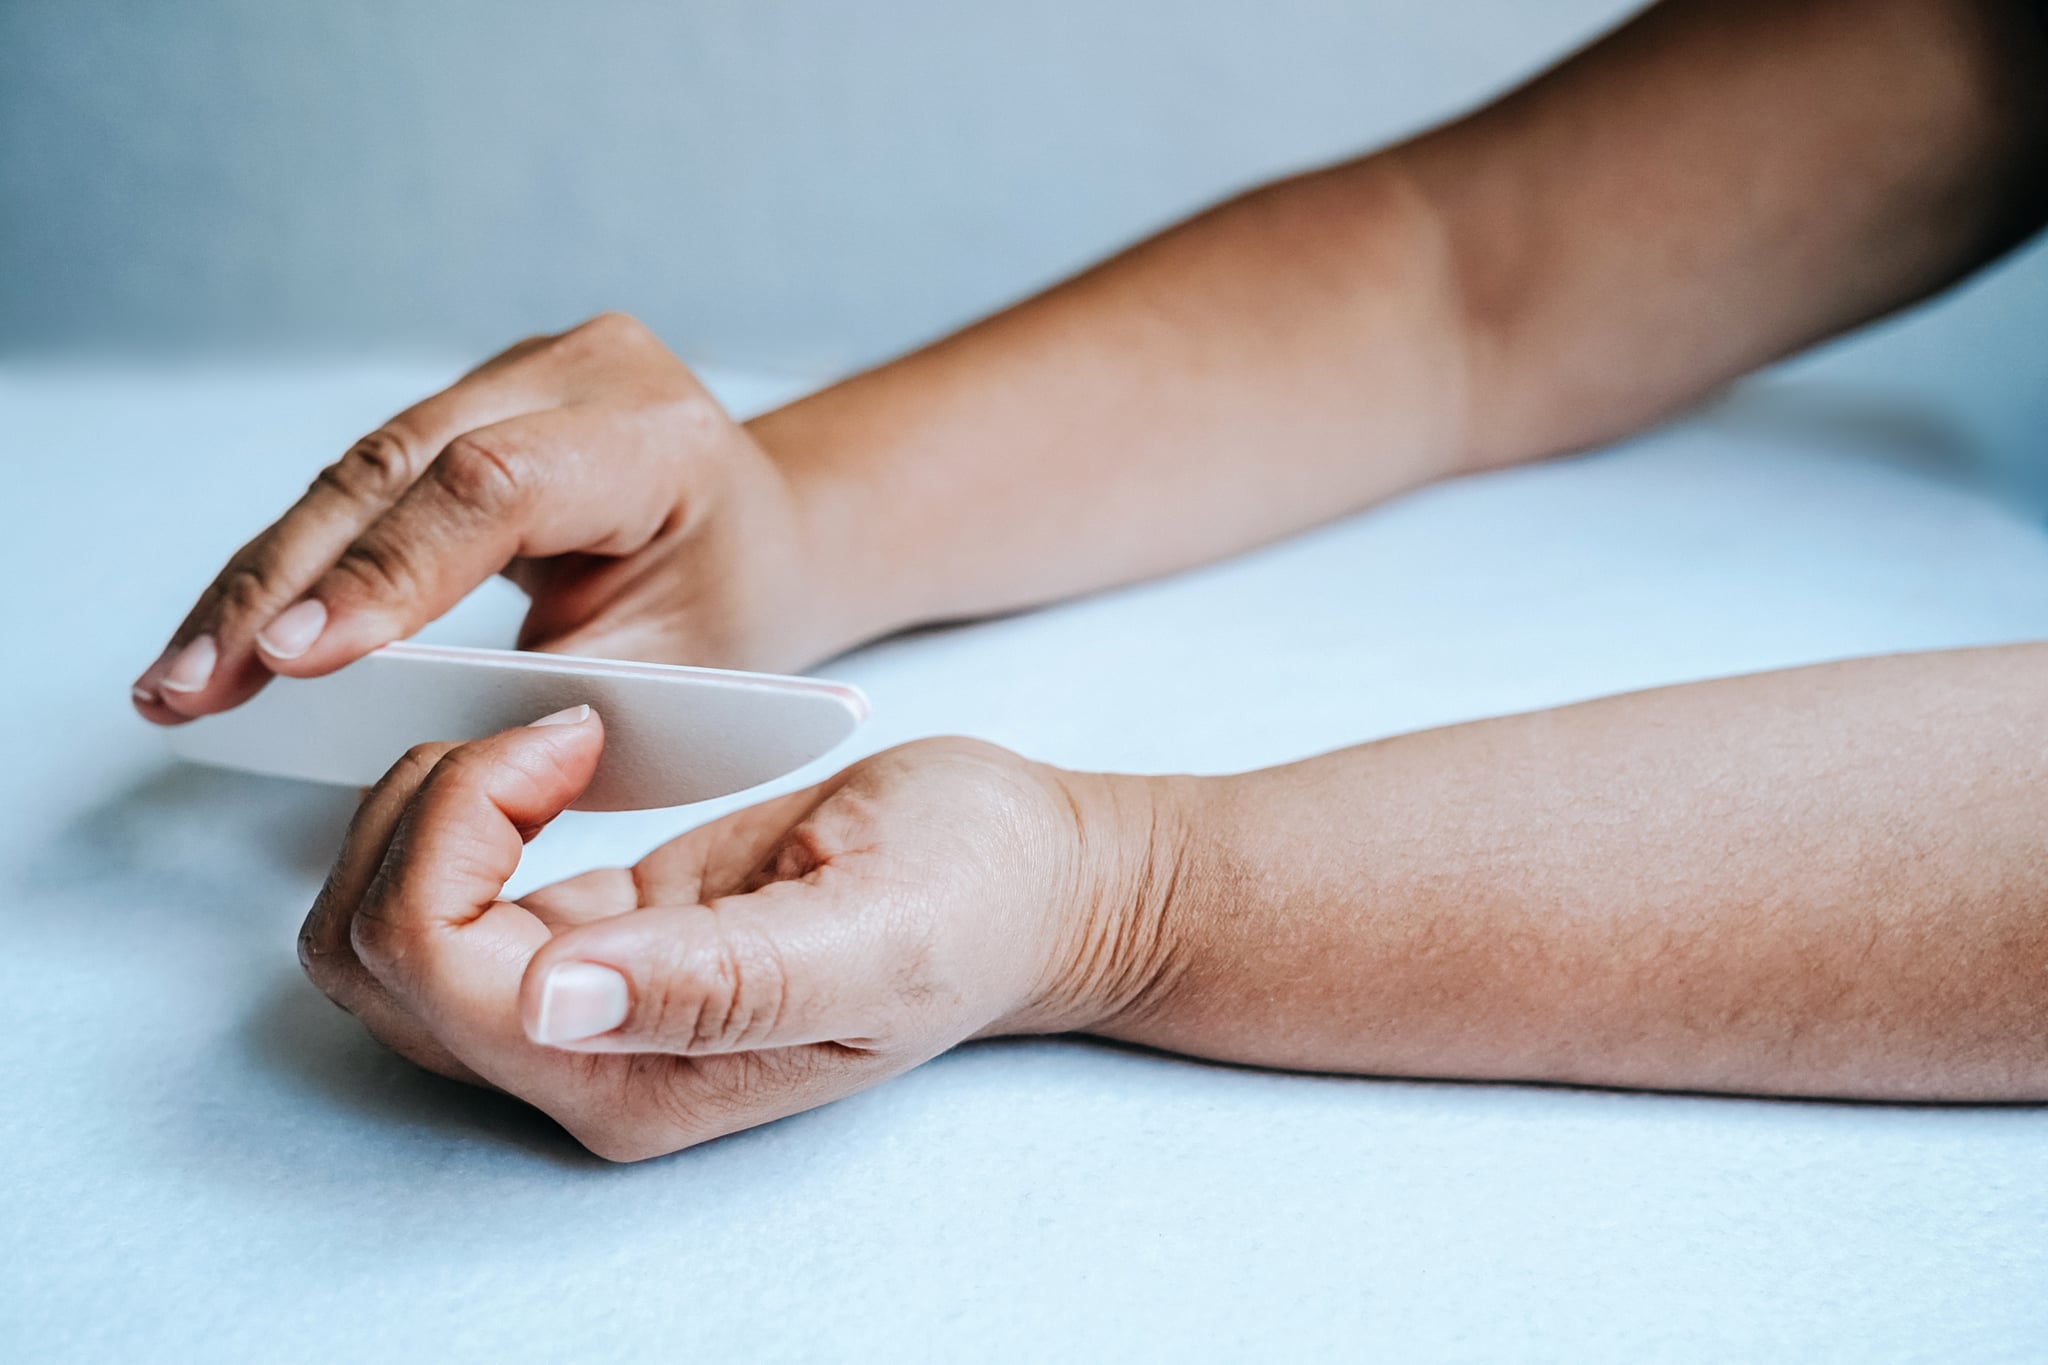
(1123, 931)
(853, 553)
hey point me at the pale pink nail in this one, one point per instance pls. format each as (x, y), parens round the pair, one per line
(580, 1000)
(294, 631)
(146, 681)
(193, 667)
(574, 715)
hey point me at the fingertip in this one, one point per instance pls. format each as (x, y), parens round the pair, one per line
(575, 729)
(151, 707)
(143, 691)
(293, 632)
(344, 635)
(186, 675)
(572, 740)
(236, 679)
(580, 991)
(572, 1002)
(568, 715)
(530, 774)
(147, 680)
(180, 707)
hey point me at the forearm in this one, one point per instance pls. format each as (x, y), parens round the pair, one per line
(1720, 183)
(1708, 188)
(1827, 881)
(1281, 359)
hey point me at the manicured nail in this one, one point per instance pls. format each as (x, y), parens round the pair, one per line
(580, 1000)
(192, 668)
(146, 681)
(294, 631)
(575, 715)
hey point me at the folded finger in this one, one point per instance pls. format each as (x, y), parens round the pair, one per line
(707, 862)
(324, 936)
(457, 840)
(587, 896)
(718, 858)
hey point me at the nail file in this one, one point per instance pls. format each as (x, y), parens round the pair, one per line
(673, 735)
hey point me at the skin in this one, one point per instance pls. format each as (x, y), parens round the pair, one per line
(776, 959)
(1726, 886)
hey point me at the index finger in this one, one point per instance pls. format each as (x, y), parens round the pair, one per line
(459, 838)
(211, 663)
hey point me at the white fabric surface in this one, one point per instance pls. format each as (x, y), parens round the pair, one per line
(203, 1160)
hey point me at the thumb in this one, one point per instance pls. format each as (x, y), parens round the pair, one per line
(784, 966)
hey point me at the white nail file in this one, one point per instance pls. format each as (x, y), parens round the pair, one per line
(673, 735)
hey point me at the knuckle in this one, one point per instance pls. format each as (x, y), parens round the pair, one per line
(413, 767)
(418, 761)
(380, 942)
(316, 959)
(610, 328)
(675, 1004)
(461, 785)
(720, 997)
(373, 937)
(696, 417)
(379, 567)
(480, 476)
(458, 770)
(603, 338)
(249, 587)
(375, 469)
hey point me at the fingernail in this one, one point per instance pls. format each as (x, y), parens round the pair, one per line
(575, 715)
(580, 1000)
(294, 631)
(147, 680)
(192, 668)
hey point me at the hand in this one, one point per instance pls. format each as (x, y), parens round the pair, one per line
(772, 961)
(591, 468)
